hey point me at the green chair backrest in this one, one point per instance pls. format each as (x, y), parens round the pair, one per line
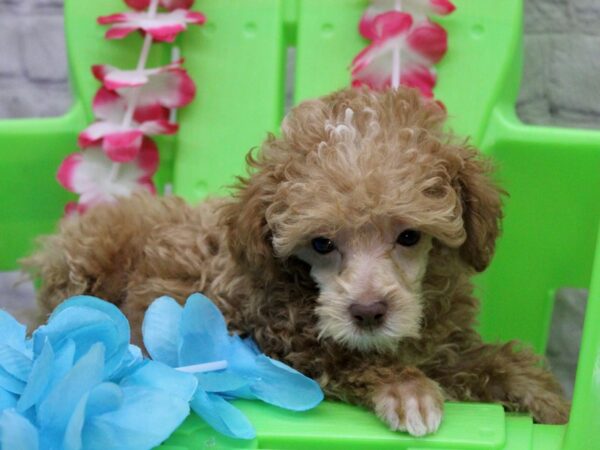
(238, 60)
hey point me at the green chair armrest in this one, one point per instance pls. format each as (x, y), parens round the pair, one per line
(31, 151)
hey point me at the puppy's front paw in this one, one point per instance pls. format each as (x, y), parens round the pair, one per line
(414, 404)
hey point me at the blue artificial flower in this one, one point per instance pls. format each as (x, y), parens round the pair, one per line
(79, 384)
(15, 359)
(195, 335)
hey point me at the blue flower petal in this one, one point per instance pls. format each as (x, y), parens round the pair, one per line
(252, 345)
(221, 381)
(49, 369)
(7, 400)
(161, 330)
(87, 320)
(102, 399)
(135, 354)
(115, 314)
(15, 362)
(241, 357)
(84, 326)
(222, 416)
(204, 335)
(146, 418)
(15, 356)
(16, 432)
(158, 376)
(280, 385)
(131, 361)
(10, 382)
(57, 408)
(72, 438)
(84, 386)
(244, 392)
(203, 338)
(38, 379)
(64, 359)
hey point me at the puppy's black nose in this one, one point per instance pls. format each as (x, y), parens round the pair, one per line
(368, 315)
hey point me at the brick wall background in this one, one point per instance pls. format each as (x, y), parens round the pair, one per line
(561, 86)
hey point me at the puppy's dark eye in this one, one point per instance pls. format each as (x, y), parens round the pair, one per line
(323, 245)
(408, 238)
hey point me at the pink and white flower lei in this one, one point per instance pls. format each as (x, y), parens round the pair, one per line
(405, 44)
(93, 175)
(121, 139)
(167, 4)
(117, 156)
(163, 27)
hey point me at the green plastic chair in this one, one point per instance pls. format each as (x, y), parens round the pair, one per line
(239, 61)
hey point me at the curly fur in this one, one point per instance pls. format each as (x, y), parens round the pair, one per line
(356, 166)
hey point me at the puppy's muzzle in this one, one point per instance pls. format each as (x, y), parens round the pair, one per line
(368, 315)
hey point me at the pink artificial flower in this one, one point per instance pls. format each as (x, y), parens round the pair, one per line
(167, 4)
(420, 46)
(120, 141)
(421, 78)
(169, 86)
(418, 8)
(73, 208)
(429, 40)
(163, 27)
(90, 174)
(390, 30)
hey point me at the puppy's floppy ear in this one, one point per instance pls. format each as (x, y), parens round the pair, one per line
(482, 209)
(244, 217)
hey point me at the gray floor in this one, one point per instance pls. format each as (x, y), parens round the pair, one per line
(17, 296)
(565, 334)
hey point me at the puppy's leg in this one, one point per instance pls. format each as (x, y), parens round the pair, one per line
(90, 255)
(504, 374)
(96, 253)
(404, 398)
(53, 265)
(412, 403)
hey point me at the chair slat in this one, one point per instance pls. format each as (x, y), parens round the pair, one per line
(237, 61)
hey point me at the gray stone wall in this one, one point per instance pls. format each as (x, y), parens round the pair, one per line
(33, 65)
(561, 81)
